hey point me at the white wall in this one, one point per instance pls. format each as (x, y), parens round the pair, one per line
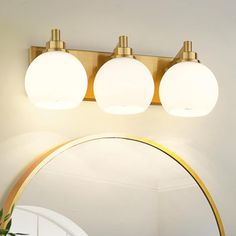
(154, 27)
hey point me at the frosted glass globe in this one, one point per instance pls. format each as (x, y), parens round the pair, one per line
(123, 86)
(56, 80)
(188, 89)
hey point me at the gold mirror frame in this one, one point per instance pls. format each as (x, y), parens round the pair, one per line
(43, 159)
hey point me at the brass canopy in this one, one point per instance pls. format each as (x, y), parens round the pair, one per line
(55, 44)
(188, 54)
(122, 49)
(185, 54)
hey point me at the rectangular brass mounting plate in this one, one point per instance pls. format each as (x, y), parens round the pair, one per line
(93, 60)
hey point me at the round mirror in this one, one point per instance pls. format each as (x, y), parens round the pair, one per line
(109, 185)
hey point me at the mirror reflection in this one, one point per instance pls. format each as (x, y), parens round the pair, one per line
(115, 187)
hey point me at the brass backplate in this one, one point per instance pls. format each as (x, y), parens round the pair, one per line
(93, 60)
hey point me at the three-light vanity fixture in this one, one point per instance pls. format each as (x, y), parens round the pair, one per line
(120, 82)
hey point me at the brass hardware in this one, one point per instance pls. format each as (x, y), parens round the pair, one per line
(188, 54)
(55, 44)
(185, 54)
(122, 49)
(43, 159)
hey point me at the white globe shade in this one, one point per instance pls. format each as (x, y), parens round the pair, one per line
(123, 86)
(56, 80)
(188, 89)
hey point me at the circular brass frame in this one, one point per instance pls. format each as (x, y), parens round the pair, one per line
(43, 159)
